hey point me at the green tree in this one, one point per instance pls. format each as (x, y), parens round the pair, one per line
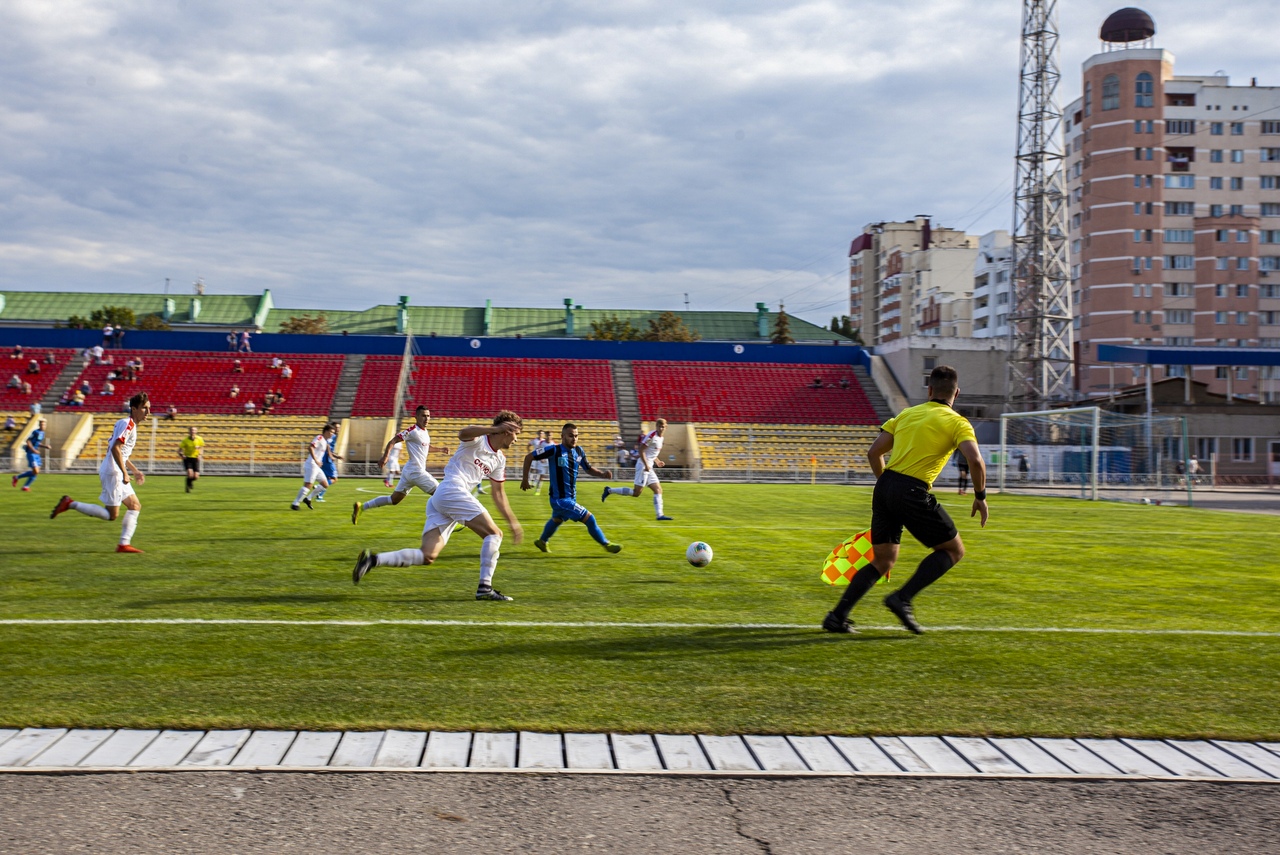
(306, 325)
(670, 327)
(153, 321)
(612, 328)
(843, 325)
(117, 316)
(782, 328)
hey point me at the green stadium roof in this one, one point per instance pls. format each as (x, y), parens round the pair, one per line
(236, 310)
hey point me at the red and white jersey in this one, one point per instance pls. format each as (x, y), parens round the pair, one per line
(650, 445)
(315, 451)
(417, 441)
(125, 435)
(472, 463)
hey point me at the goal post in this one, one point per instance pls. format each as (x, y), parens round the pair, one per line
(1094, 454)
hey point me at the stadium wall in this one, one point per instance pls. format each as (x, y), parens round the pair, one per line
(497, 348)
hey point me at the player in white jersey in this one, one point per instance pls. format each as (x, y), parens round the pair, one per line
(393, 464)
(649, 447)
(313, 468)
(117, 487)
(480, 455)
(418, 441)
(540, 468)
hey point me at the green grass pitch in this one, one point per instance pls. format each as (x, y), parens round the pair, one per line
(233, 549)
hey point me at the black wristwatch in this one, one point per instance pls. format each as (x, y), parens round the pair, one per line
(980, 495)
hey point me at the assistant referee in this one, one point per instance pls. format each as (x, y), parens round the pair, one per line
(922, 439)
(191, 450)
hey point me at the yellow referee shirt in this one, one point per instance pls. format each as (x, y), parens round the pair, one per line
(191, 447)
(924, 437)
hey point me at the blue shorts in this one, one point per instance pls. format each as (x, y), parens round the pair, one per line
(330, 471)
(34, 460)
(568, 509)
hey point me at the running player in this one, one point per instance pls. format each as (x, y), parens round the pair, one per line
(539, 442)
(117, 486)
(649, 447)
(480, 455)
(191, 450)
(312, 468)
(35, 442)
(564, 460)
(329, 463)
(417, 439)
(392, 475)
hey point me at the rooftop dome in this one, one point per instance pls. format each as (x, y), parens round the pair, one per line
(1128, 25)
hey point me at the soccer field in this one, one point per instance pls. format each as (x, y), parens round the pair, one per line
(1065, 618)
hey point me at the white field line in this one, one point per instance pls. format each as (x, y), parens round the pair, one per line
(600, 625)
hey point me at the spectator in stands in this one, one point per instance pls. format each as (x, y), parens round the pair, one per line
(250, 409)
(286, 373)
(119, 338)
(127, 373)
(26, 388)
(87, 355)
(108, 332)
(33, 367)
(816, 384)
(136, 362)
(235, 391)
(231, 341)
(279, 396)
(50, 359)
(244, 342)
(86, 387)
(36, 408)
(108, 388)
(15, 382)
(10, 423)
(237, 368)
(77, 398)
(844, 382)
(276, 363)
(172, 413)
(268, 401)
(96, 353)
(17, 352)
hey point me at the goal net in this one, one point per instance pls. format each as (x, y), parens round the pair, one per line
(1090, 453)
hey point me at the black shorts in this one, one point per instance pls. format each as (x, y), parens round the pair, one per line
(192, 463)
(902, 501)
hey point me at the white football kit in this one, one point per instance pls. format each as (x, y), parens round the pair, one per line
(452, 501)
(311, 471)
(114, 488)
(417, 441)
(651, 446)
(539, 466)
(393, 460)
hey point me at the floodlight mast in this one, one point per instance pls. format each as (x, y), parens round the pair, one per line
(1041, 355)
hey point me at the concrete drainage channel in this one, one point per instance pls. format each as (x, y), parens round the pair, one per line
(49, 750)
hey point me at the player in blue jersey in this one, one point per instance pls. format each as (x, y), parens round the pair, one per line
(329, 463)
(35, 441)
(563, 461)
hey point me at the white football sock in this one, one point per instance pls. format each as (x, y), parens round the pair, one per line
(302, 494)
(129, 526)
(401, 558)
(91, 510)
(489, 559)
(376, 503)
(657, 503)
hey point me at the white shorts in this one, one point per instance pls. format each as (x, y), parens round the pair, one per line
(312, 474)
(393, 467)
(540, 467)
(114, 489)
(424, 481)
(645, 479)
(446, 507)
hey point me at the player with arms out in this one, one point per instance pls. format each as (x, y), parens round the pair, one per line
(649, 447)
(313, 468)
(191, 450)
(117, 486)
(564, 460)
(480, 455)
(417, 440)
(922, 439)
(36, 440)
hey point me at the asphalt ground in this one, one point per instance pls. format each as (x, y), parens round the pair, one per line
(246, 812)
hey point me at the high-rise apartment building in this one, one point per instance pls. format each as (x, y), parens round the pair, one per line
(904, 278)
(1174, 185)
(993, 285)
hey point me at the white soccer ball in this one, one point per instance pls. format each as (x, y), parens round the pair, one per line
(698, 553)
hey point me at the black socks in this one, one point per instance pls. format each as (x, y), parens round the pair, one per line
(858, 587)
(931, 569)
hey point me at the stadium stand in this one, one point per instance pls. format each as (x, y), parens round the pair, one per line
(566, 389)
(228, 439)
(595, 438)
(14, 399)
(751, 393)
(201, 382)
(785, 448)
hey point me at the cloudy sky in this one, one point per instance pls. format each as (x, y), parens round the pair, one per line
(621, 152)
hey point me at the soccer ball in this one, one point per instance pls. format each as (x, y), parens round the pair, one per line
(698, 553)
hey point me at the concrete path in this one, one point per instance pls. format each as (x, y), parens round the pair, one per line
(52, 749)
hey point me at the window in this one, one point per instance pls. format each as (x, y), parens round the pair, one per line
(1215, 128)
(1271, 290)
(1269, 319)
(1215, 183)
(1269, 236)
(1237, 183)
(1002, 298)
(1179, 182)
(1177, 316)
(1242, 290)
(1111, 92)
(1181, 126)
(1269, 262)
(1143, 89)
(1147, 153)
(1270, 210)
(1175, 371)
(1215, 210)
(1219, 317)
(1088, 99)
(1242, 236)
(1242, 318)
(1270, 155)
(1242, 449)
(1177, 289)
(1142, 235)
(1271, 127)
(1269, 182)
(1137, 208)
(1237, 155)
(1180, 262)
(1179, 209)
(1179, 341)
(1219, 290)
(1206, 447)
(1221, 264)
(1236, 210)
(1215, 155)
(1179, 236)
(1140, 263)
(1222, 235)
(1137, 317)
(1237, 129)
(1075, 219)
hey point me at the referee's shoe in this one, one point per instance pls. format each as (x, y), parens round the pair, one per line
(902, 609)
(831, 623)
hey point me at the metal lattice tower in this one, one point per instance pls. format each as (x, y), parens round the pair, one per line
(1040, 364)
